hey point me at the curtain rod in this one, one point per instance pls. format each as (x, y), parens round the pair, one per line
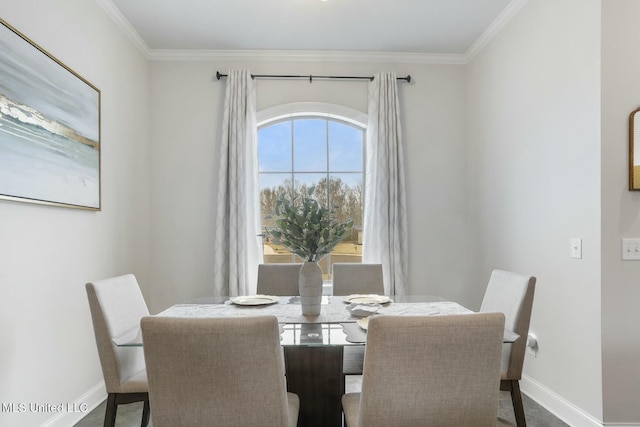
(310, 77)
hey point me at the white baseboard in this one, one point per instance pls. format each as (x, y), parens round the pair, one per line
(77, 410)
(558, 406)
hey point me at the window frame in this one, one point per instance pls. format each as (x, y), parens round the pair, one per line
(318, 110)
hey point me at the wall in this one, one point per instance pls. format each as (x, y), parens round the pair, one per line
(185, 118)
(620, 214)
(48, 253)
(534, 183)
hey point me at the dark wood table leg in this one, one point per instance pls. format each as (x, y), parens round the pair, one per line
(314, 373)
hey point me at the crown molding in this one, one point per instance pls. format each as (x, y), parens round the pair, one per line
(124, 25)
(492, 30)
(305, 56)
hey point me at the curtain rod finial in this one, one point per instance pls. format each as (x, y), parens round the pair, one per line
(218, 75)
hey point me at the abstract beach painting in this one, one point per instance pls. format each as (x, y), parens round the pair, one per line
(49, 128)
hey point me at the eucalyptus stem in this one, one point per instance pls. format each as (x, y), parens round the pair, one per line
(306, 228)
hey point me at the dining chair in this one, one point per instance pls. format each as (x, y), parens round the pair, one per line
(278, 279)
(116, 306)
(356, 278)
(512, 294)
(227, 372)
(429, 371)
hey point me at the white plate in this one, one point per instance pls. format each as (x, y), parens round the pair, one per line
(367, 298)
(363, 323)
(255, 300)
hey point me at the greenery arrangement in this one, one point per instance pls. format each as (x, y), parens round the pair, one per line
(329, 191)
(306, 228)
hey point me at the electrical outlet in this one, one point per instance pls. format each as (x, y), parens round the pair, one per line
(532, 345)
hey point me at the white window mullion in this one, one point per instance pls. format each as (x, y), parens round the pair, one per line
(351, 176)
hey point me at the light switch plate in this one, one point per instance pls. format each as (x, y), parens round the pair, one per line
(631, 249)
(576, 248)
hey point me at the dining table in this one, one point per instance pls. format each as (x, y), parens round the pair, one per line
(313, 346)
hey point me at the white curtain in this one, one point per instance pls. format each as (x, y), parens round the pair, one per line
(238, 248)
(385, 218)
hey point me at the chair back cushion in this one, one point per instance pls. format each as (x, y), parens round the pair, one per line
(353, 278)
(278, 279)
(432, 371)
(117, 305)
(227, 372)
(512, 294)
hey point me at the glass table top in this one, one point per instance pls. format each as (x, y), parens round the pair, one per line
(334, 326)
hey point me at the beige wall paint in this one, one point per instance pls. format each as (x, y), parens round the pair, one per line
(185, 119)
(533, 136)
(620, 214)
(47, 254)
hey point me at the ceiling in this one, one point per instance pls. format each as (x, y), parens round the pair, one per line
(411, 26)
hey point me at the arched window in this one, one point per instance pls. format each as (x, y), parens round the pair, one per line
(308, 144)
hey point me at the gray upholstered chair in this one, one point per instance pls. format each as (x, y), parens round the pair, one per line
(278, 279)
(355, 278)
(512, 294)
(117, 305)
(227, 372)
(429, 371)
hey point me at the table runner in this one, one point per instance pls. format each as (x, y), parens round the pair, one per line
(288, 310)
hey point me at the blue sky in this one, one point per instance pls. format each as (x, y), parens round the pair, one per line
(309, 147)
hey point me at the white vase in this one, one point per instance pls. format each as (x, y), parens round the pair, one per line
(310, 284)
